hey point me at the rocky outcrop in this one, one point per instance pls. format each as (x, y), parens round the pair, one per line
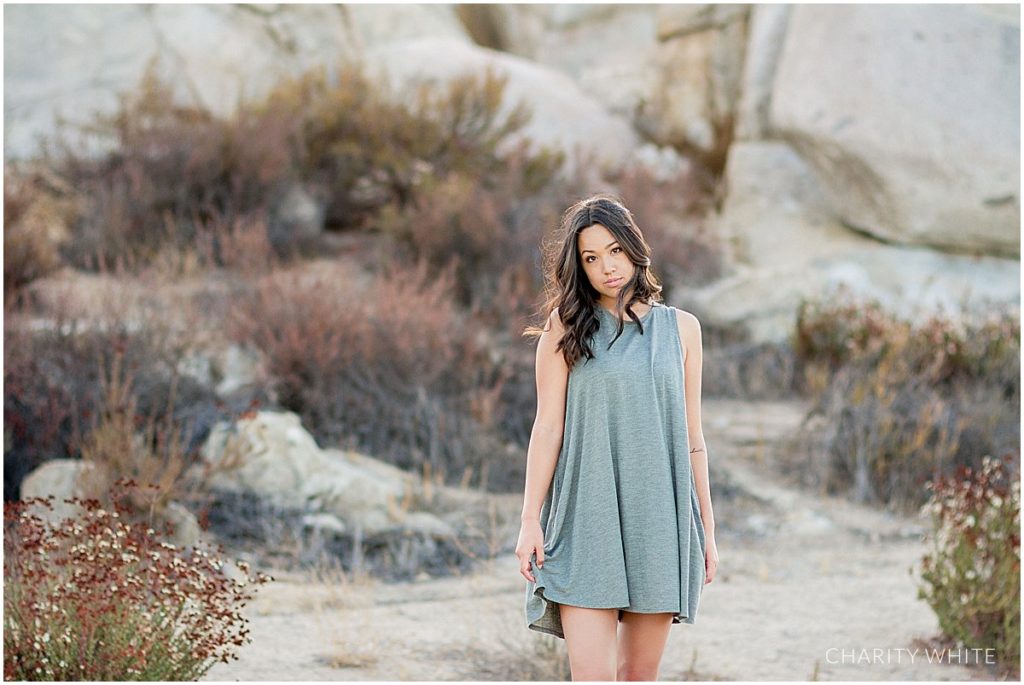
(270, 455)
(212, 54)
(786, 244)
(268, 470)
(909, 115)
(867, 145)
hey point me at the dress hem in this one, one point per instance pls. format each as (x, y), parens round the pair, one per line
(536, 625)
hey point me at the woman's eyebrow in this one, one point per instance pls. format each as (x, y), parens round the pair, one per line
(605, 247)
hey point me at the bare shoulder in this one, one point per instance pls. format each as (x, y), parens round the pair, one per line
(689, 330)
(686, 320)
(555, 324)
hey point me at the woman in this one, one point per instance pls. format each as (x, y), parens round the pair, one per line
(617, 524)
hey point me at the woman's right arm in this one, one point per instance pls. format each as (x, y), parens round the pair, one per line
(545, 443)
(546, 437)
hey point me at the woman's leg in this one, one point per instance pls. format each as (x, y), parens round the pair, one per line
(590, 639)
(641, 644)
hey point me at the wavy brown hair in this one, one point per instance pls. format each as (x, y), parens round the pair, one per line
(567, 286)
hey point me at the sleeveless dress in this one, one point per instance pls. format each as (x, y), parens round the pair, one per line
(621, 519)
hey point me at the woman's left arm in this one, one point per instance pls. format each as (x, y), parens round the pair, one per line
(693, 360)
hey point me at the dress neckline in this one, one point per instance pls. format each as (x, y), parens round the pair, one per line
(642, 317)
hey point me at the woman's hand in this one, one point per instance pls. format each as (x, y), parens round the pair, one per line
(710, 559)
(531, 539)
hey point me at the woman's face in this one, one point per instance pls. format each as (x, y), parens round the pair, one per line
(603, 260)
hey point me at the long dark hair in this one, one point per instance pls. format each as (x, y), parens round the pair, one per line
(567, 286)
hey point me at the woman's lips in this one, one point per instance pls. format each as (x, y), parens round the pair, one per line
(614, 282)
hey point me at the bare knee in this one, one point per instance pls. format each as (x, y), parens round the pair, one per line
(633, 670)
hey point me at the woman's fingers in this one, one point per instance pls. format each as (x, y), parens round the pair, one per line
(525, 570)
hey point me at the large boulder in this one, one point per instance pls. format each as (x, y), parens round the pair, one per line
(910, 117)
(76, 58)
(785, 244)
(766, 32)
(564, 115)
(271, 455)
(673, 71)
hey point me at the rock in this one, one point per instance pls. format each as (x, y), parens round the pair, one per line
(675, 21)
(664, 163)
(186, 528)
(237, 367)
(211, 54)
(60, 478)
(427, 524)
(273, 456)
(296, 218)
(324, 522)
(67, 478)
(785, 246)
(699, 64)
(910, 117)
(564, 115)
(197, 366)
(766, 33)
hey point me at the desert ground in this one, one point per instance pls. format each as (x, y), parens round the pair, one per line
(803, 579)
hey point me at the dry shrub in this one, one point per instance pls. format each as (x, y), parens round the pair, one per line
(117, 452)
(389, 368)
(171, 169)
(362, 149)
(746, 370)
(487, 228)
(58, 358)
(33, 223)
(174, 171)
(904, 404)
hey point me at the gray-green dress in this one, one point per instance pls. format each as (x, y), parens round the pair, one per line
(621, 520)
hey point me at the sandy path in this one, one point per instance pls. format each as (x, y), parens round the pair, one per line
(800, 575)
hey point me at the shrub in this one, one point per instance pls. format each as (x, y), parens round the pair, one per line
(170, 169)
(971, 575)
(84, 378)
(31, 217)
(942, 351)
(903, 404)
(362, 149)
(387, 366)
(118, 452)
(93, 597)
(486, 228)
(174, 173)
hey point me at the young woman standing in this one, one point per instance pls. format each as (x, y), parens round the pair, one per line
(617, 523)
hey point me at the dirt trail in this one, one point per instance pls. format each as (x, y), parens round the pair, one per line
(808, 588)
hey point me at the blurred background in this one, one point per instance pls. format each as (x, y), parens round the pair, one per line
(278, 259)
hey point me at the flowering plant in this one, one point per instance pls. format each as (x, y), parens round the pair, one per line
(971, 576)
(93, 597)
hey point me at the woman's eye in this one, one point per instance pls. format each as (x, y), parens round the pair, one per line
(617, 248)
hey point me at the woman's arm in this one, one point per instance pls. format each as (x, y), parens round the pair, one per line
(546, 437)
(693, 350)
